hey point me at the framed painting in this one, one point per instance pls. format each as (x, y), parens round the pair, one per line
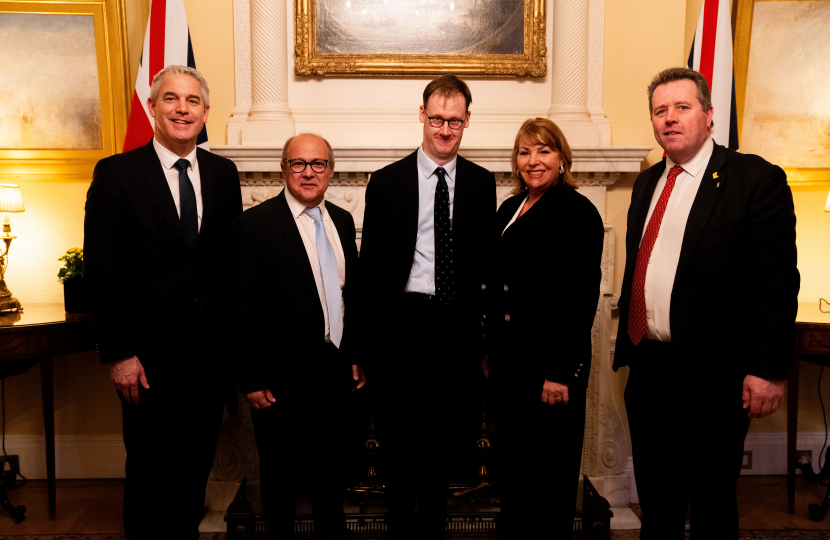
(63, 86)
(497, 38)
(781, 82)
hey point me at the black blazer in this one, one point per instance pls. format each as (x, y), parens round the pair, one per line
(734, 297)
(147, 290)
(545, 274)
(278, 319)
(390, 229)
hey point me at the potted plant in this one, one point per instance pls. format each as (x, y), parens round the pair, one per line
(72, 277)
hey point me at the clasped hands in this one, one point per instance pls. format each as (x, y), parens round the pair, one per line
(262, 399)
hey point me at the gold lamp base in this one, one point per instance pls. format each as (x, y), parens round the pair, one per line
(8, 303)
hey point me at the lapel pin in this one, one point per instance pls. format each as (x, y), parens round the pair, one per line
(717, 185)
(714, 175)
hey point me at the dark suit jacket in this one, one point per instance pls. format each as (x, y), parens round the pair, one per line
(150, 295)
(278, 320)
(545, 275)
(387, 249)
(734, 297)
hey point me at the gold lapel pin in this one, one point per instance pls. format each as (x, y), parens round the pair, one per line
(714, 175)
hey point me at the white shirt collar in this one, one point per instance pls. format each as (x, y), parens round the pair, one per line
(427, 167)
(298, 209)
(697, 164)
(168, 158)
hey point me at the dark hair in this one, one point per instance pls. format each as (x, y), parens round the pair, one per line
(448, 85)
(542, 131)
(704, 95)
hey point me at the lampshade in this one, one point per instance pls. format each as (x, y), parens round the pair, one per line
(827, 204)
(10, 198)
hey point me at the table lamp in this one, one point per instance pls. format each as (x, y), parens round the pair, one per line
(10, 201)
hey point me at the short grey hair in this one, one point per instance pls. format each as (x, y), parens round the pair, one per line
(291, 139)
(704, 95)
(173, 69)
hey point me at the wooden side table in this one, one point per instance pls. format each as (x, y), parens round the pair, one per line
(40, 332)
(812, 328)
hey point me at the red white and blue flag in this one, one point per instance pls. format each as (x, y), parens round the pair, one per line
(711, 56)
(166, 42)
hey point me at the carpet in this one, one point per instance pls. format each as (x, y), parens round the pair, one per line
(615, 535)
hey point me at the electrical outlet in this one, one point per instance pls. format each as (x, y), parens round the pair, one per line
(13, 459)
(804, 456)
(747, 463)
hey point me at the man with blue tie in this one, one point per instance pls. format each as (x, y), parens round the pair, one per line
(295, 294)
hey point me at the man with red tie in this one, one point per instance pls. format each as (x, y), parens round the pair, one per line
(707, 312)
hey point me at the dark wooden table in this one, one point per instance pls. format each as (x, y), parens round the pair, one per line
(40, 332)
(812, 344)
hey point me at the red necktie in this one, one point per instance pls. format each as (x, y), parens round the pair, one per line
(637, 323)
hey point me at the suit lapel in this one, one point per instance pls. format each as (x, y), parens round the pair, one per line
(207, 180)
(409, 197)
(154, 176)
(707, 195)
(639, 208)
(288, 226)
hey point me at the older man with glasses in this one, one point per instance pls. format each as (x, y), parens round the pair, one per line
(422, 255)
(296, 293)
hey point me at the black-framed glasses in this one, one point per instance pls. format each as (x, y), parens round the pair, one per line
(455, 123)
(299, 165)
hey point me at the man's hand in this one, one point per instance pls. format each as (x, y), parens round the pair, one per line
(554, 393)
(485, 365)
(126, 374)
(761, 396)
(261, 399)
(358, 375)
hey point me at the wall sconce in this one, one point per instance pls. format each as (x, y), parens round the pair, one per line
(10, 201)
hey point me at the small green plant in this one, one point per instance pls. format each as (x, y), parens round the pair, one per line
(73, 265)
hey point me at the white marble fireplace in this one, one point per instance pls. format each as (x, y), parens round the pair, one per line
(372, 122)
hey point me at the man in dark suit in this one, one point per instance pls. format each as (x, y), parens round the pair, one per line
(156, 219)
(422, 258)
(296, 296)
(707, 312)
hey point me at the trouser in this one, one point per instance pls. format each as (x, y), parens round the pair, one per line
(170, 437)
(687, 444)
(300, 440)
(420, 396)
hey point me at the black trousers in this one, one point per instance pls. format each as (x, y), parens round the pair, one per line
(170, 437)
(420, 402)
(540, 451)
(687, 440)
(300, 439)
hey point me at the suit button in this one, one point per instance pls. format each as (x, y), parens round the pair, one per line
(576, 376)
(507, 318)
(483, 286)
(505, 288)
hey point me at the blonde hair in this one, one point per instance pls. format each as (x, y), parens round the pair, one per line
(542, 131)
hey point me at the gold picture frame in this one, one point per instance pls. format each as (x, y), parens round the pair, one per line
(744, 13)
(24, 155)
(311, 61)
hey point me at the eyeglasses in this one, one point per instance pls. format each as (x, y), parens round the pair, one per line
(299, 165)
(455, 123)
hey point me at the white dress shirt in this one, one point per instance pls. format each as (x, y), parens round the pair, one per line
(515, 216)
(168, 160)
(662, 266)
(306, 227)
(422, 275)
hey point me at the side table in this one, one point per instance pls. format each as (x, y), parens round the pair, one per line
(40, 332)
(812, 344)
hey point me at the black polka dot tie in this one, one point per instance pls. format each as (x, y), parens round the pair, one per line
(444, 279)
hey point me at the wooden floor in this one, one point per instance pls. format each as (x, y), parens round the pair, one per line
(94, 506)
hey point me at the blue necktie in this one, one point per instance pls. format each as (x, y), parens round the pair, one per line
(328, 271)
(187, 201)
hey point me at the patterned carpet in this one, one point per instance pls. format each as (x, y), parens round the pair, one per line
(615, 535)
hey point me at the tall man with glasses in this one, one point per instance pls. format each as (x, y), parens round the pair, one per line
(156, 225)
(426, 222)
(295, 297)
